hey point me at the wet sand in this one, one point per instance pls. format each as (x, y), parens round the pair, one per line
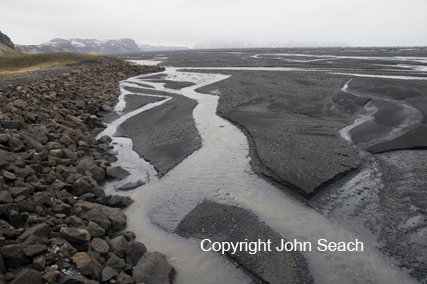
(289, 126)
(164, 136)
(371, 179)
(231, 224)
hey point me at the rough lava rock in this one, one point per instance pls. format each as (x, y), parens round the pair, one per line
(54, 216)
(153, 268)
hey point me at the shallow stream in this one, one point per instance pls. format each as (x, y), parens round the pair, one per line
(220, 172)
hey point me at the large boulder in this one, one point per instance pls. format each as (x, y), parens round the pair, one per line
(94, 122)
(75, 221)
(35, 234)
(85, 164)
(20, 103)
(40, 135)
(120, 201)
(4, 138)
(15, 144)
(87, 266)
(34, 250)
(61, 207)
(41, 198)
(99, 245)
(32, 143)
(11, 124)
(20, 191)
(119, 245)
(112, 219)
(8, 175)
(6, 158)
(5, 197)
(26, 276)
(75, 235)
(108, 273)
(115, 262)
(123, 278)
(116, 172)
(98, 173)
(98, 216)
(134, 252)
(153, 268)
(95, 230)
(50, 275)
(81, 186)
(14, 255)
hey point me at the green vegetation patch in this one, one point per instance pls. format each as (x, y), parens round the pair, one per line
(18, 65)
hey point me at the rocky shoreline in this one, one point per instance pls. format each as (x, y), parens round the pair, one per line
(57, 225)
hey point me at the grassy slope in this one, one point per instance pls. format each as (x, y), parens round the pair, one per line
(18, 65)
(4, 50)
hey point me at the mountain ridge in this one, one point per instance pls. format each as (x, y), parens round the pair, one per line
(92, 46)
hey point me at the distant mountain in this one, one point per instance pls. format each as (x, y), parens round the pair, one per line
(271, 44)
(146, 47)
(6, 45)
(92, 46)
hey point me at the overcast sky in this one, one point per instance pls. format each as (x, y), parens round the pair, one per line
(187, 22)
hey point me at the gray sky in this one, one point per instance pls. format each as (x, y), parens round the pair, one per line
(187, 22)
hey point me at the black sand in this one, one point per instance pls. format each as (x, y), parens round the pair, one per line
(165, 135)
(288, 120)
(133, 102)
(292, 119)
(225, 223)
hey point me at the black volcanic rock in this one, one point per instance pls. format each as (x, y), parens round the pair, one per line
(4, 39)
(6, 46)
(51, 168)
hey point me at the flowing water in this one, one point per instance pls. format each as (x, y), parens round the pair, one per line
(220, 171)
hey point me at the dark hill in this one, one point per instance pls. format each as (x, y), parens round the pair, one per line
(6, 45)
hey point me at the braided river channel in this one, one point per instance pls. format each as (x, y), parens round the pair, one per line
(220, 171)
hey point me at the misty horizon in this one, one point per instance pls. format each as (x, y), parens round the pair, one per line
(239, 44)
(189, 22)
